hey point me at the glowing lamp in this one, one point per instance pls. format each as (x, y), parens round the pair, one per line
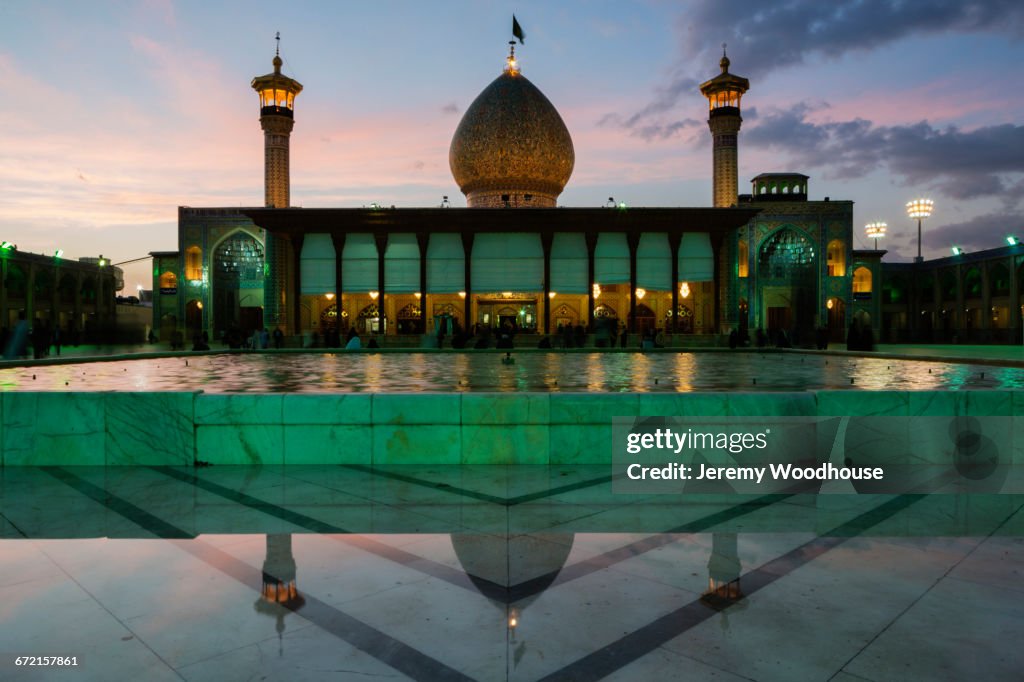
(684, 290)
(374, 295)
(329, 297)
(596, 290)
(1012, 241)
(640, 293)
(920, 208)
(462, 294)
(957, 251)
(551, 294)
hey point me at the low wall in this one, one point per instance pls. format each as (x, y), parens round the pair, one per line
(381, 429)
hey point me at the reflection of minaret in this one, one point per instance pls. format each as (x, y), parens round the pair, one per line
(723, 572)
(724, 92)
(277, 103)
(279, 595)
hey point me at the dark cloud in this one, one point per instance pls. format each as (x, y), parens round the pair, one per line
(450, 108)
(960, 164)
(649, 130)
(976, 234)
(767, 36)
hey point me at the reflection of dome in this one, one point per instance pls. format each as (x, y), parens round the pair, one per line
(512, 142)
(493, 562)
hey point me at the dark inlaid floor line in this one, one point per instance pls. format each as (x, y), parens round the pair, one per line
(137, 515)
(386, 649)
(600, 562)
(474, 494)
(295, 518)
(925, 593)
(646, 639)
(405, 478)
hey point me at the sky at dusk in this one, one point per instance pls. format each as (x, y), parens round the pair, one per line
(115, 113)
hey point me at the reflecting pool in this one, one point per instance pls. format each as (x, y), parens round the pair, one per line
(567, 372)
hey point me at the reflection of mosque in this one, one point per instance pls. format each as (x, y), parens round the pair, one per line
(511, 572)
(771, 259)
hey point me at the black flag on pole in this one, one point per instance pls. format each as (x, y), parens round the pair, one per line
(517, 30)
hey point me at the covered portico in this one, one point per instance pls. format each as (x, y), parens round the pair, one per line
(538, 261)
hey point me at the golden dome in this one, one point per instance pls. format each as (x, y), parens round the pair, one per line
(511, 147)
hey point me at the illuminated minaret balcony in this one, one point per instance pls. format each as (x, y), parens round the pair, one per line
(277, 92)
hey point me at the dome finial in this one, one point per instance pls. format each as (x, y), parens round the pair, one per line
(511, 65)
(277, 54)
(725, 61)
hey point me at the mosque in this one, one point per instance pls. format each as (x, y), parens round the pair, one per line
(772, 259)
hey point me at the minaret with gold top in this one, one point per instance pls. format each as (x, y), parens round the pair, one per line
(277, 118)
(277, 105)
(724, 92)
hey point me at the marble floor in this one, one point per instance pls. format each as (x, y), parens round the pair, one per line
(495, 573)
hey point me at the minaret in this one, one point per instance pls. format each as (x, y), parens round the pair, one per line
(724, 92)
(277, 118)
(277, 103)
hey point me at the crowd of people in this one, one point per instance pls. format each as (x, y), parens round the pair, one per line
(42, 338)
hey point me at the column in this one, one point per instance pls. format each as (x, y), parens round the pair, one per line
(76, 325)
(339, 282)
(591, 238)
(423, 241)
(546, 239)
(296, 244)
(986, 305)
(633, 241)
(381, 241)
(5, 315)
(1014, 323)
(958, 319)
(30, 296)
(674, 240)
(467, 251)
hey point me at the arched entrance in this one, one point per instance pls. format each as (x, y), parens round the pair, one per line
(329, 321)
(238, 284)
(645, 319)
(836, 308)
(193, 318)
(409, 321)
(786, 263)
(684, 319)
(565, 316)
(369, 320)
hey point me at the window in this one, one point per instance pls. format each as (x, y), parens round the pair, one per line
(742, 256)
(862, 280)
(836, 258)
(168, 280)
(193, 263)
